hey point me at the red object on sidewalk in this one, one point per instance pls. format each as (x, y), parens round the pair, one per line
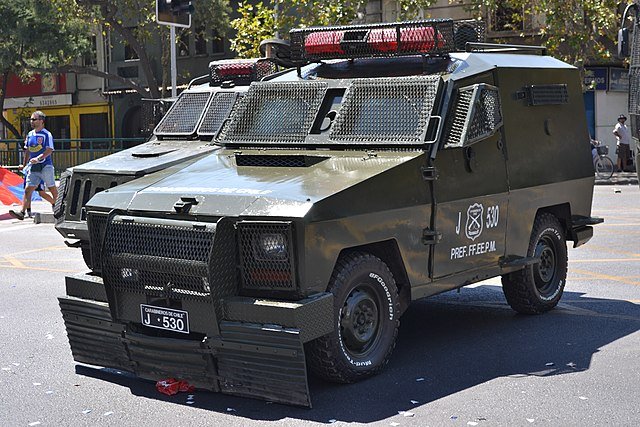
(171, 386)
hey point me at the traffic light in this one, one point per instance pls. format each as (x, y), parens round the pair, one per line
(174, 12)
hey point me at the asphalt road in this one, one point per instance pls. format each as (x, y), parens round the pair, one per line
(462, 359)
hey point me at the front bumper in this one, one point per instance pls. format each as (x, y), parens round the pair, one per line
(258, 352)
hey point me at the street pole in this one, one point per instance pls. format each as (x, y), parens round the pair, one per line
(174, 66)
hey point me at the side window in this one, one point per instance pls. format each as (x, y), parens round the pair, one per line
(476, 115)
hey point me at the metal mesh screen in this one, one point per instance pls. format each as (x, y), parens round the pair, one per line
(459, 118)
(240, 71)
(162, 258)
(434, 36)
(184, 115)
(476, 115)
(547, 94)
(97, 224)
(217, 112)
(275, 112)
(291, 161)
(385, 110)
(471, 30)
(59, 206)
(266, 256)
(152, 112)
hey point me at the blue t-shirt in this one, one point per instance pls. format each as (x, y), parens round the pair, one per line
(38, 142)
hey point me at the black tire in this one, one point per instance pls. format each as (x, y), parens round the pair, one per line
(367, 311)
(537, 288)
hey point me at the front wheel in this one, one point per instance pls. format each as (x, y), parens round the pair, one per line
(538, 288)
(604, 167)
(366, 316)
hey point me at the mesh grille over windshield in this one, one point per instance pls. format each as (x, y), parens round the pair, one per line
(386, 110)
(275, 112)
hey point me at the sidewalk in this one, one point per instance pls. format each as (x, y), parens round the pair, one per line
(619, 178)
(41, 211)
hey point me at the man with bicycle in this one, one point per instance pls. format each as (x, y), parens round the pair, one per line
(623, 137)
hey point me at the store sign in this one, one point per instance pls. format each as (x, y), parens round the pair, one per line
(618, 80)
(38, 101)
(596, 78)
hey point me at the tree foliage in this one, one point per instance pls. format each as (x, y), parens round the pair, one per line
(37, 35)
(576, 31)
(270, 18)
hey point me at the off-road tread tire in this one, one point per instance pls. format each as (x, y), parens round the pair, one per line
(519, 287)
(324, 357)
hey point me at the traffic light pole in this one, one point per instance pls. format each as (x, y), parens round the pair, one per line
(174, 66)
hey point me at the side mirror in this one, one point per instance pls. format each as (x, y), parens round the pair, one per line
(623, 43)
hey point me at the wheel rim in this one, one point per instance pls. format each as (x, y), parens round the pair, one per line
(546, 269)
(360, 321)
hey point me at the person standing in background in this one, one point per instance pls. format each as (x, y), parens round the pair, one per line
(623, 137)
(38, 147)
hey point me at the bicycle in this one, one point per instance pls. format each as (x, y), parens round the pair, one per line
(602, 163)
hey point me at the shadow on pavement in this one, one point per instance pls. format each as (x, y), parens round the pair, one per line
(453, 342)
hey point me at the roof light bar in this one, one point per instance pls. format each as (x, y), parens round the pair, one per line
(427, 37)
(240, 71)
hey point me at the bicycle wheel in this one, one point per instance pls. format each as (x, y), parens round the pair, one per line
(604, 167)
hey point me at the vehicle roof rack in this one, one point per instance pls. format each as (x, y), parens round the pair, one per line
(505, 48)
(425, 37)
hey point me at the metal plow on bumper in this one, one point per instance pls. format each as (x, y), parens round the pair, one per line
(172, 309)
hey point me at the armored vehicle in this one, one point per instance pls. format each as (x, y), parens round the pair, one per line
(182, 135)
(396, 162)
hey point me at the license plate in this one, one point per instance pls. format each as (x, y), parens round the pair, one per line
(165, 318)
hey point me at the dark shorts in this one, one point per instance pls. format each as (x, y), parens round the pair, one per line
(624, 151)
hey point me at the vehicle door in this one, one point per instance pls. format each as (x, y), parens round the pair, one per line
(471, 189)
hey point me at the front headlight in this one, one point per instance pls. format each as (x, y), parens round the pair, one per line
(272, 246)
(266, 252)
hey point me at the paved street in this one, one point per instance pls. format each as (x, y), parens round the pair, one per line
(462, 359)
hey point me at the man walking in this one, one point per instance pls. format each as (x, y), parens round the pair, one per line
(38, 147)
(621, 131)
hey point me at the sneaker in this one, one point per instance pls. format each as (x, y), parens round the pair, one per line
(17, 214)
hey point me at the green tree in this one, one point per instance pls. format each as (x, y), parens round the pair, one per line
(575, 31)
(267, 19)
(135, 23)
(37, 35)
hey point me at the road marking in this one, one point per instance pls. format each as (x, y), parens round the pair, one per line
(18, 227)
(608, 277)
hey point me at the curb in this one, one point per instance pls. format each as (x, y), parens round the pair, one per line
(43, 218)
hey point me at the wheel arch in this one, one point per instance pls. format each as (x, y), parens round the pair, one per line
(561, 211)
(389, 252)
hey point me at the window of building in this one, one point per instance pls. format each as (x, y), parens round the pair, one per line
(94, 126)
(129, 53)
(507, 18)
(90, 58)
(217, 41)
(183, 43)
(201, 41)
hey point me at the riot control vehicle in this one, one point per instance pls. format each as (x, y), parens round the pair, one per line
(183, 134)
(397, 161)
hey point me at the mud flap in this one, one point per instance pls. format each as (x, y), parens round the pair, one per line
(262, 361)
(93, 337)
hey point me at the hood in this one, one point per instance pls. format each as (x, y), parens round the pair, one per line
(261, 183)
(146, 158)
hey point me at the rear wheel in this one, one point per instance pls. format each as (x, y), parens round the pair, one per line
(538, 288)
(366, 311)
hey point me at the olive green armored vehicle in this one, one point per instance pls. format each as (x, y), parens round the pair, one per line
(182, 135)
(396, 162)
